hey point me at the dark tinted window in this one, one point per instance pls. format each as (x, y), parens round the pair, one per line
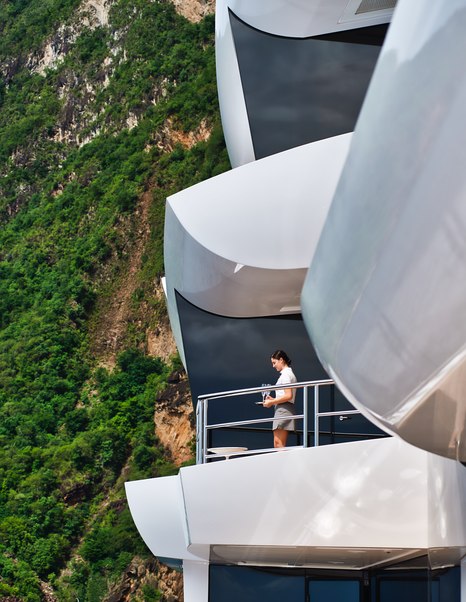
(324, 590)
(299, 90)
(405, 586)
(244, 584)
(261, 584)
(403, 590)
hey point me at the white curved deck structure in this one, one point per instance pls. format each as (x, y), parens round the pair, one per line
(366, 504)
(383, 483)
(257, 264)
(385, 306)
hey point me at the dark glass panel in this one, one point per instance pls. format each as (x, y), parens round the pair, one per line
(225, 353)
(446, 585)
(258, 584)
(420, 585)
(403, 590)
(298, 90)
(334, 590)
(234, 584)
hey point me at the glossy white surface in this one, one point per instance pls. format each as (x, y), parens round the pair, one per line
(239, 244)
(355, 503)
(157, 508)
(385, 297)
(248, 206)
(195, 581)
(304, 18)
(235, 122)
(364, 494)
(447, 517)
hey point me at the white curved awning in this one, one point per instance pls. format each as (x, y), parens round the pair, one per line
(239, 244)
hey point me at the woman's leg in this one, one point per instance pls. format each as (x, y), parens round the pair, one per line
(279, 437)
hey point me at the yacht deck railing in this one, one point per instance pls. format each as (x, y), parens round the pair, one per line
(203, 427)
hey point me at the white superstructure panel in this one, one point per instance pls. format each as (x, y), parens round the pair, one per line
(239, 244)
(356, 504)
(385, 298)
(306, 18)
(195, 581)
(447, 503)
(235, 121)
(365, 494)
(158, 511)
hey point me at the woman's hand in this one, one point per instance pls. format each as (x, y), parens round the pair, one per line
(275, 401)
(268, 401)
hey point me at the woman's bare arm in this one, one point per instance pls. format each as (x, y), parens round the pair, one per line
(274, 401)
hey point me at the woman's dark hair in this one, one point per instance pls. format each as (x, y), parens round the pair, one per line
(281, 355)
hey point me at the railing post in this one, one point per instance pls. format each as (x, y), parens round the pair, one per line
(199, 432)
(316, 415)
(204, 431)
(305, 419)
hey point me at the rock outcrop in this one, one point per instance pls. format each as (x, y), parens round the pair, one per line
(194, 10)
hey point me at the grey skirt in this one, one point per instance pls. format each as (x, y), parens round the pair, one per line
(283, 412)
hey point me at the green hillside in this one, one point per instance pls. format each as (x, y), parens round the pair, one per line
(99, 122)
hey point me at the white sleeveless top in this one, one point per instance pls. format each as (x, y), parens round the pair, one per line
(287, 377)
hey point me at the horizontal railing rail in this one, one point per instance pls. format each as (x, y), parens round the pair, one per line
(203, 427)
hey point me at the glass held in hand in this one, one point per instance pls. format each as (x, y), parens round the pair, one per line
(263, 394)
(266, 393)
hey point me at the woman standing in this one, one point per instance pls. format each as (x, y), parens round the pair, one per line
(283, 400)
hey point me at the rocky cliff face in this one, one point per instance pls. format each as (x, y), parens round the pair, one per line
(194, 10)
(141, 574)
(90, 15)
(81, 116)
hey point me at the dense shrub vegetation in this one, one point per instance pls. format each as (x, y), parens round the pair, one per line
(72, 171)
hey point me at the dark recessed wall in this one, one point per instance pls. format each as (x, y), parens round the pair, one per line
(299, 90)
(225, 353)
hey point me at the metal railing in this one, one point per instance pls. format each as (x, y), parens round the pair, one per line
(203, 427)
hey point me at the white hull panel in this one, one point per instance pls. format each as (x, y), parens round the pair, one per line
(355, 505)
(385, 297)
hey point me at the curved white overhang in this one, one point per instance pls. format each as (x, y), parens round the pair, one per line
(267, 215)
(385, 298)
(305, 18)
(354, 504)
(239, 244)
(158, 510)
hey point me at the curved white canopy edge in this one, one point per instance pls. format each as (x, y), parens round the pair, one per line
(235, 121)
(385, 298)
(239, 244)
(305, 18)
